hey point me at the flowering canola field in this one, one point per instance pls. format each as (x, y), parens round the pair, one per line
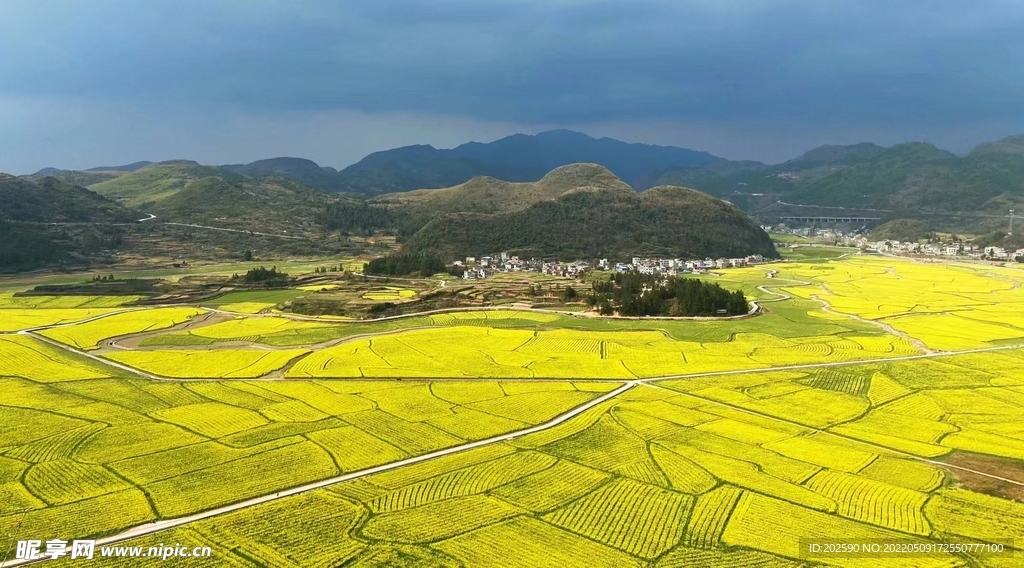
(735, 440)
(676, 474)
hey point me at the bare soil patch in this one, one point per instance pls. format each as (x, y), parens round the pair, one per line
(1001, 467)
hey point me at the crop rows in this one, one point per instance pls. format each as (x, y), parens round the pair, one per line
(10, 301)
(638, 518)
(438, 520)
(65, 481)
(30, 358)
(841, 382)
(485, 351)
(16, 319)
(55, 447)
(710, 513)
(469, 481)
(551, 488)
(523, 542)
(873, 502)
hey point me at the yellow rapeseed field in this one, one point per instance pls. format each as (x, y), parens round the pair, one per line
(196, 445)
(207, 364)
(571, 354)
(705, 469)
(22, 356)
(88, 335)
(948, 306)
(16, 319)
(389, 295)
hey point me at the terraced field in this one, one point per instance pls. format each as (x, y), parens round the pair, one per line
(661, 443)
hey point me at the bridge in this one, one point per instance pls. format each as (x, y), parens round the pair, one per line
(845, 219)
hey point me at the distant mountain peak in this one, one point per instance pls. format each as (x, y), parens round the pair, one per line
(832, 154)
(125, 168)
(1009, 145)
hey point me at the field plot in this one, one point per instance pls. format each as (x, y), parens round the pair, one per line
(253, 301)
(11, 301)
(16, 319)
(22, 356)
(197, 445)
(948, 306)
(88, 335)
(210, 364)
(478, 351)
(389, 295)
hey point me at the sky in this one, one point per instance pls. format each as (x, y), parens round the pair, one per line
(108, 82)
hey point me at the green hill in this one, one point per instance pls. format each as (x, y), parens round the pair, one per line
(903, 230)
(209, 195)
(899, 176)
(267, 204)
(51, 200)
(491, 195)
(298, 169)
(35, 214)
(906, 180)
(74, 177)
(517, 158)
(159, 181)
(588, 221)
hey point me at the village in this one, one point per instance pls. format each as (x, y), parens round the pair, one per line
(948, 247)
(477, 268)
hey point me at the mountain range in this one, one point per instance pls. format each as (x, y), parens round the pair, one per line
(516, 158)
(910, 179)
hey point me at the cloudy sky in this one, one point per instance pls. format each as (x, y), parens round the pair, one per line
(107, 82)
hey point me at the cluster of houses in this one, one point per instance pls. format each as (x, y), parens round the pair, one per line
(823, 234)
(676, 266)
(477, 268)
(942, 249)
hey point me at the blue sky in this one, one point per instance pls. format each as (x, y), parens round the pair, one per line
(106, 82)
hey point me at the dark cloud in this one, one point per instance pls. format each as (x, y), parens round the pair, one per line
(939, 63)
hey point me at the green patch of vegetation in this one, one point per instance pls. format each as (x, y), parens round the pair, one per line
(814, 253)
(632, 294)
(403, 264)
(902, 230)
(255, 296)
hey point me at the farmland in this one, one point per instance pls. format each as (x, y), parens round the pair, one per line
(835, 414)
(657, 475)
(192, 446)
(388, 294)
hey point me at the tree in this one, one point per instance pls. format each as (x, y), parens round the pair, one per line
(247, 255)
(570, 294)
